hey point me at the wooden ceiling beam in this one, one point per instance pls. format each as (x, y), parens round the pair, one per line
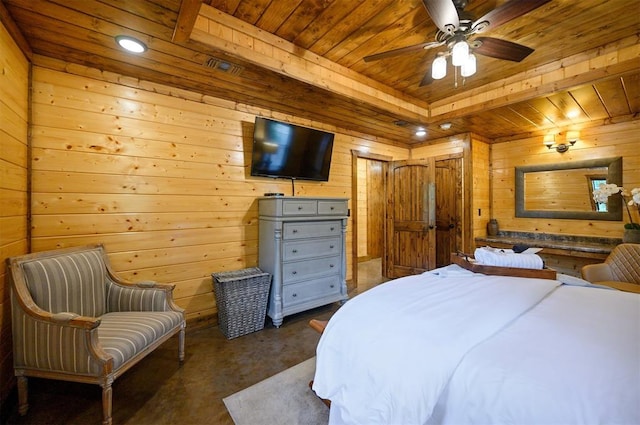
(228, 34)
(187, 16)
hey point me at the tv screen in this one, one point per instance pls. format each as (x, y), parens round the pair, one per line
(289, 151)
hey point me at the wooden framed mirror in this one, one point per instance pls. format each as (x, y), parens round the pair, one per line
(565, 190)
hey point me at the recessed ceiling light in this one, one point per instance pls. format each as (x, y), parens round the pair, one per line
(131, 44)
(445, 126)
(421, 132)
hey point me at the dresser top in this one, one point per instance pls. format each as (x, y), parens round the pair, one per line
(306, 198)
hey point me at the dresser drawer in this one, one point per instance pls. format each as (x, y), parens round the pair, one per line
(313, 229)
(332, 208)
(311, 289)
(323, 247)
(299, 207)
(300, 270)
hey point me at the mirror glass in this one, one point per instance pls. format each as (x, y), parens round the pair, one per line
(566, 190)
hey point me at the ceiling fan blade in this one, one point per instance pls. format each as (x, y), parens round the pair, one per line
(443, 13)
(506, 12)
(402, 50)
(501, 49)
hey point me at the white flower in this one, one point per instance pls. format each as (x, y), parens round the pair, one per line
(635, 196)
(602, 193)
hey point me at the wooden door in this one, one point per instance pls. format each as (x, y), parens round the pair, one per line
(448, 179)
(410, 235)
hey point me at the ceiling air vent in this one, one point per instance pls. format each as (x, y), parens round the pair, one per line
(224, 66)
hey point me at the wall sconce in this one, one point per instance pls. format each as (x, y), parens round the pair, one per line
(550, 139)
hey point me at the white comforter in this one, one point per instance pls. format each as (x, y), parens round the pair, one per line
(471, 348)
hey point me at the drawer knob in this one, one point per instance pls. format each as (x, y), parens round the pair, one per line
(332, 228)
(299, 208)
(332, 286)
(294, 272)
(332, 208)
(331, 266)
(295, 251)
(331, 246)
(294, 295)
(295, 230)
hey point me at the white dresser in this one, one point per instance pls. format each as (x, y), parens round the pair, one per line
(303, 245)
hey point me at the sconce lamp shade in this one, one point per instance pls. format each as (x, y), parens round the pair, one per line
(439, 68)
(459, 53)
(469, 66)
(549, 140)
(573, 136)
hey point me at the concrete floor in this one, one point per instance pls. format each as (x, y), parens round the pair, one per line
(159, 390)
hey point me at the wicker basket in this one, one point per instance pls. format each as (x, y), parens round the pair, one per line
(241, 298)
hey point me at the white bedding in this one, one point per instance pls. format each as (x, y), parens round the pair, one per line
(460, 347)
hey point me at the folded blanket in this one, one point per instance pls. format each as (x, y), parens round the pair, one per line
(507, 258)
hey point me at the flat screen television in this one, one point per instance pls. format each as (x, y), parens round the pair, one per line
(288, 151)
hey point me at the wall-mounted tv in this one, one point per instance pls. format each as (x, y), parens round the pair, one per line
(288, 151)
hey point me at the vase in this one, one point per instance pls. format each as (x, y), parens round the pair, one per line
(631, 236)
(492, 227)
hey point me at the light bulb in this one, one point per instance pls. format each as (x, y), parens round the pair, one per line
(439, 68)
(459, 53)
(469, 66)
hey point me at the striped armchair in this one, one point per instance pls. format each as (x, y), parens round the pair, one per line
(73, 319)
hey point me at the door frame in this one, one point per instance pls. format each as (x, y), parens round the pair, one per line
(355, 154)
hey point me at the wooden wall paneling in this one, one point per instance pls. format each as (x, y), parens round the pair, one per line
(375, 208)
(603, 141)
(363, 216)
(14, 120)
(160, 176)
(481, 169)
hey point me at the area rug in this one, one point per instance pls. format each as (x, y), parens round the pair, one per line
(283, 399)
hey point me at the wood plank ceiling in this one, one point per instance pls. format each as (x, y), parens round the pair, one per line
(577, 75)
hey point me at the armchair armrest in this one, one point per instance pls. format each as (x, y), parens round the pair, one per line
(142, 296)
(80, 351)
(597, 273)
(21, 298)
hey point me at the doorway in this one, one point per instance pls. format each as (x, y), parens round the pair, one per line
(369, 172)
(371, 199)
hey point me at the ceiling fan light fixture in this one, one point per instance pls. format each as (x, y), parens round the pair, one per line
(460, 53)
(468, 68)
(439, 68)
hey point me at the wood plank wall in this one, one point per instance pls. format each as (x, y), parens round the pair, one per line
(481, 191)
(160, 176)
(621, 139)
(362, 209)
(14, 111)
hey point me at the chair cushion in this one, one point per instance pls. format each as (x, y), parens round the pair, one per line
(624, 262)
(124, 334)
(68, 283)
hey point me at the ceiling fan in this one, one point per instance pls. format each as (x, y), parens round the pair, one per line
(455, 27)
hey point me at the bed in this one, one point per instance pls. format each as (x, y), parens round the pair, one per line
(451, 346)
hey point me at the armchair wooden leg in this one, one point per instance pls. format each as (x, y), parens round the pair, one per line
(181, 345)
(106, 403)
(23, 394)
